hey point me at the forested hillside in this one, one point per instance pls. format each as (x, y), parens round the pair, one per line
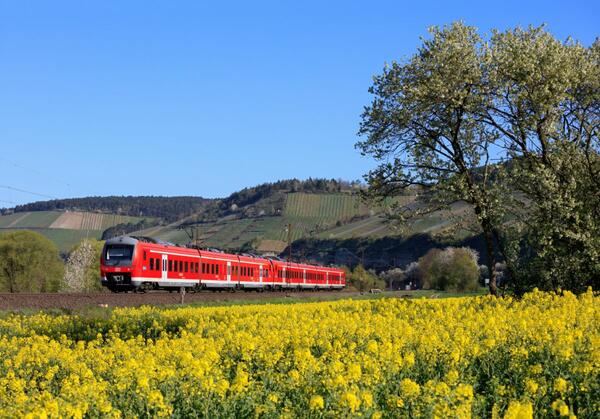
(167, 208)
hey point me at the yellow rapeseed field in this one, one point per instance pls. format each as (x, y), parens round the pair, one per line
(461, 357)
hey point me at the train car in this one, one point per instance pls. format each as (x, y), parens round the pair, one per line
(141, 263)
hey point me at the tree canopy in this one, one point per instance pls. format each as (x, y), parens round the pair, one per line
(508, 125)
(29, 262)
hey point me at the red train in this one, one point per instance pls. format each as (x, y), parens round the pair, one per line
(141, 263)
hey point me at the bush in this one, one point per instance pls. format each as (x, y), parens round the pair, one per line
(451, 269)
(29, 262)
(363, 280)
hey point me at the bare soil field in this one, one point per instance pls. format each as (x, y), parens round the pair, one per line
(78, 301)
(69, 220)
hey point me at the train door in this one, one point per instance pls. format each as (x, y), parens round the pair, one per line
(304, 276)
(228, 271)
(164, 267)
(260, 274)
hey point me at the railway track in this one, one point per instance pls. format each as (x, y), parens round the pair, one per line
(77, 301)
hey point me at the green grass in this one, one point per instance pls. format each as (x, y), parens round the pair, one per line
(330, 206)
(109, 220)
(38, 219)
(6, 220)
(368, 227)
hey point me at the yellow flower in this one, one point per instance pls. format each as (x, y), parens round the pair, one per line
(452, 376)
(464, 391)
(560, 385)
(409, 388)
(519, 410)
(367, 399)
(561, 407)
(316, 402)
(294, 375)
(350, 400)
(531, 386)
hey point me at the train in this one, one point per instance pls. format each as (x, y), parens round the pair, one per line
(132, 263)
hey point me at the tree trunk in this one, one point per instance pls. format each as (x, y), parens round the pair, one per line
(491, 255)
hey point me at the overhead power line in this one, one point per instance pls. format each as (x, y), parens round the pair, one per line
(37, 172)
(9, 202)
(29, 192)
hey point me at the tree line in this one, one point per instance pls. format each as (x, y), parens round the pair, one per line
(169, 209)
(509, 124)
(248, 196)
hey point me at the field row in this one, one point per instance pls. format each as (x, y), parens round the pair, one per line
(72, 220)
(337, 207)
(458, 357)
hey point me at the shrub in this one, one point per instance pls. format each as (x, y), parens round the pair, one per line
(29, 262)
(363, 280)
(451, 269)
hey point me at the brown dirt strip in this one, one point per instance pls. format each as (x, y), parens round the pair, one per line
(69, 220)
(77, 301)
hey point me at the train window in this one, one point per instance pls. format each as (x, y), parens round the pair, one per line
(144, 255)
(185, 267)
(180, 266)
(175, 265)
(151, 264)
(217, 269)
(170, 265)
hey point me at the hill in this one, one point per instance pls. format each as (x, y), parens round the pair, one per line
(65, 228)
(324, 215)
(327, 219)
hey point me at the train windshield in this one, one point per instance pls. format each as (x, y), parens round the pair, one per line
(118, 255)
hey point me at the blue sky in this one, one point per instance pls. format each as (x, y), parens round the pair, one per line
(197, 98)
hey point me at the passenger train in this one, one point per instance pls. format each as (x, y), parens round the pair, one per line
(141, 263)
